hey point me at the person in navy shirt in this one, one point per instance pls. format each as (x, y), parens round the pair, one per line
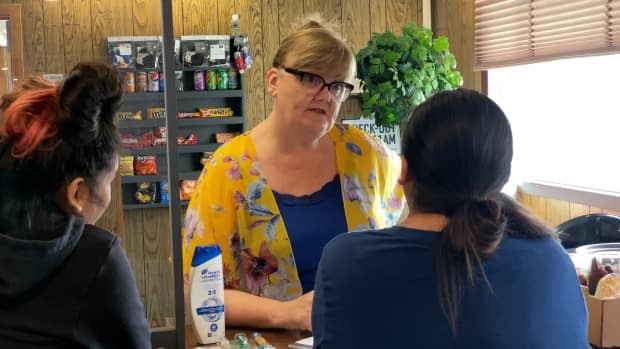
(468, 268)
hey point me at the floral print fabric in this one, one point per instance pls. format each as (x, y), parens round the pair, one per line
(234, 207)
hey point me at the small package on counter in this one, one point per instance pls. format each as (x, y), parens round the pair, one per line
(191, 139)
(156, 113)
(145, 165)
(187, 187)
(215, 112)
(125, 166)
(145, 192)
(225, 136)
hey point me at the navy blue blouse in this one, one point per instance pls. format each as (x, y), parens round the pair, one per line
(311, 221)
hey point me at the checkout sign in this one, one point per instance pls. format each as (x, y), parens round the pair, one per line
(390, 135)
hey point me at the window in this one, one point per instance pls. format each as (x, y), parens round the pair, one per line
(565, 117)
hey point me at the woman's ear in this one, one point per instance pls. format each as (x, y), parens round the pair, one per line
(404, 171)
(77, 196)
(272, 78)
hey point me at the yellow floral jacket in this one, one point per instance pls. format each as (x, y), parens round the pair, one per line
(234, 207)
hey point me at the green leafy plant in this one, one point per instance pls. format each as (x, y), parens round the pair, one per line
(400, 72)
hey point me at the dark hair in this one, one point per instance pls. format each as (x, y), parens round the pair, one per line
(50, 135)
(458, 147)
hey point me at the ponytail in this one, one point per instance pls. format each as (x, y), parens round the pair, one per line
(473, 234)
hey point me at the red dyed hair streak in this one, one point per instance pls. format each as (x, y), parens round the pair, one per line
(30, 117)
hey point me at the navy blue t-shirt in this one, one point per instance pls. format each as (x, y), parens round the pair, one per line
(311, 221)
(377, 289)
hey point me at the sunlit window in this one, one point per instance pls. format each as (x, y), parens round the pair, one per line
(565, 117)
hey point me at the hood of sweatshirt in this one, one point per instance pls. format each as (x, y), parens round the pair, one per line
(24, 263)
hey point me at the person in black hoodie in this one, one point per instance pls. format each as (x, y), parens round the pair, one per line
(64, 283)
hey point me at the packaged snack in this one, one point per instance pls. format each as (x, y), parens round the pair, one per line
(225, 136)
(129, 82)
(127, 115)
(146, 140)
(145, 165)
(156, 113)
(147, 51)
(125, 166)
(129, 140)
(161, 134)
(120, 51)
(215, 112)
(141, 81)
(195, 50)
(145, 193)
(187, 187)
(185, 115)
(191, 139)
(164, 194)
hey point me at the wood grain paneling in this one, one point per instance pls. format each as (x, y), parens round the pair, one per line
(329, 10)
(225, 10)
(554, 212)
(109, 18)
(271, 41)
(378, 18)
(177, 17)
(134, 245)
(34, 47)
(147, 17)
(200, 17)
(455, 20)
(289, 15)
(54, 38)
(399, 12)
(77, 31)
(355, 19)
(254, 88)
(158, 266)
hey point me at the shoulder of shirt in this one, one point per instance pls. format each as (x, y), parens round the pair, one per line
(100, 236)
(348, 133)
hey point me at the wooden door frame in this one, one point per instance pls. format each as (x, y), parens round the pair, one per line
(13, 12)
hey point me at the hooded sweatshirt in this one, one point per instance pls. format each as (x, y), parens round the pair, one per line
(74, 289)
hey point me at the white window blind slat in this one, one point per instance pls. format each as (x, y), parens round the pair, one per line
(509, 32)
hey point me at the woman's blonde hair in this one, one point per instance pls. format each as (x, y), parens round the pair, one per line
(316, 43)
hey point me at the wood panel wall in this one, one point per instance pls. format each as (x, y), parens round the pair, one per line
(58, 34)
(554, 212)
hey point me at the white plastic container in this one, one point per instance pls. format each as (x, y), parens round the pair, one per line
(206, 294)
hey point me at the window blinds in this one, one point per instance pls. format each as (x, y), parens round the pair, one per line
(510, 32)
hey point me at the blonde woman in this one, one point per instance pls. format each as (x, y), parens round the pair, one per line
(272, 197)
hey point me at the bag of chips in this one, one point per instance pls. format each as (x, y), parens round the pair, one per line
(145, 165)
(125, 166)
(145, 193)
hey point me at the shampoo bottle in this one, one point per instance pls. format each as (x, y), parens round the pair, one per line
(206, 293)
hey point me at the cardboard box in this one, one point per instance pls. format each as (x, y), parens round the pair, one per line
(603, 320)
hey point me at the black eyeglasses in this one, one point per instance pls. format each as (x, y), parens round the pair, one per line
(339, 89)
